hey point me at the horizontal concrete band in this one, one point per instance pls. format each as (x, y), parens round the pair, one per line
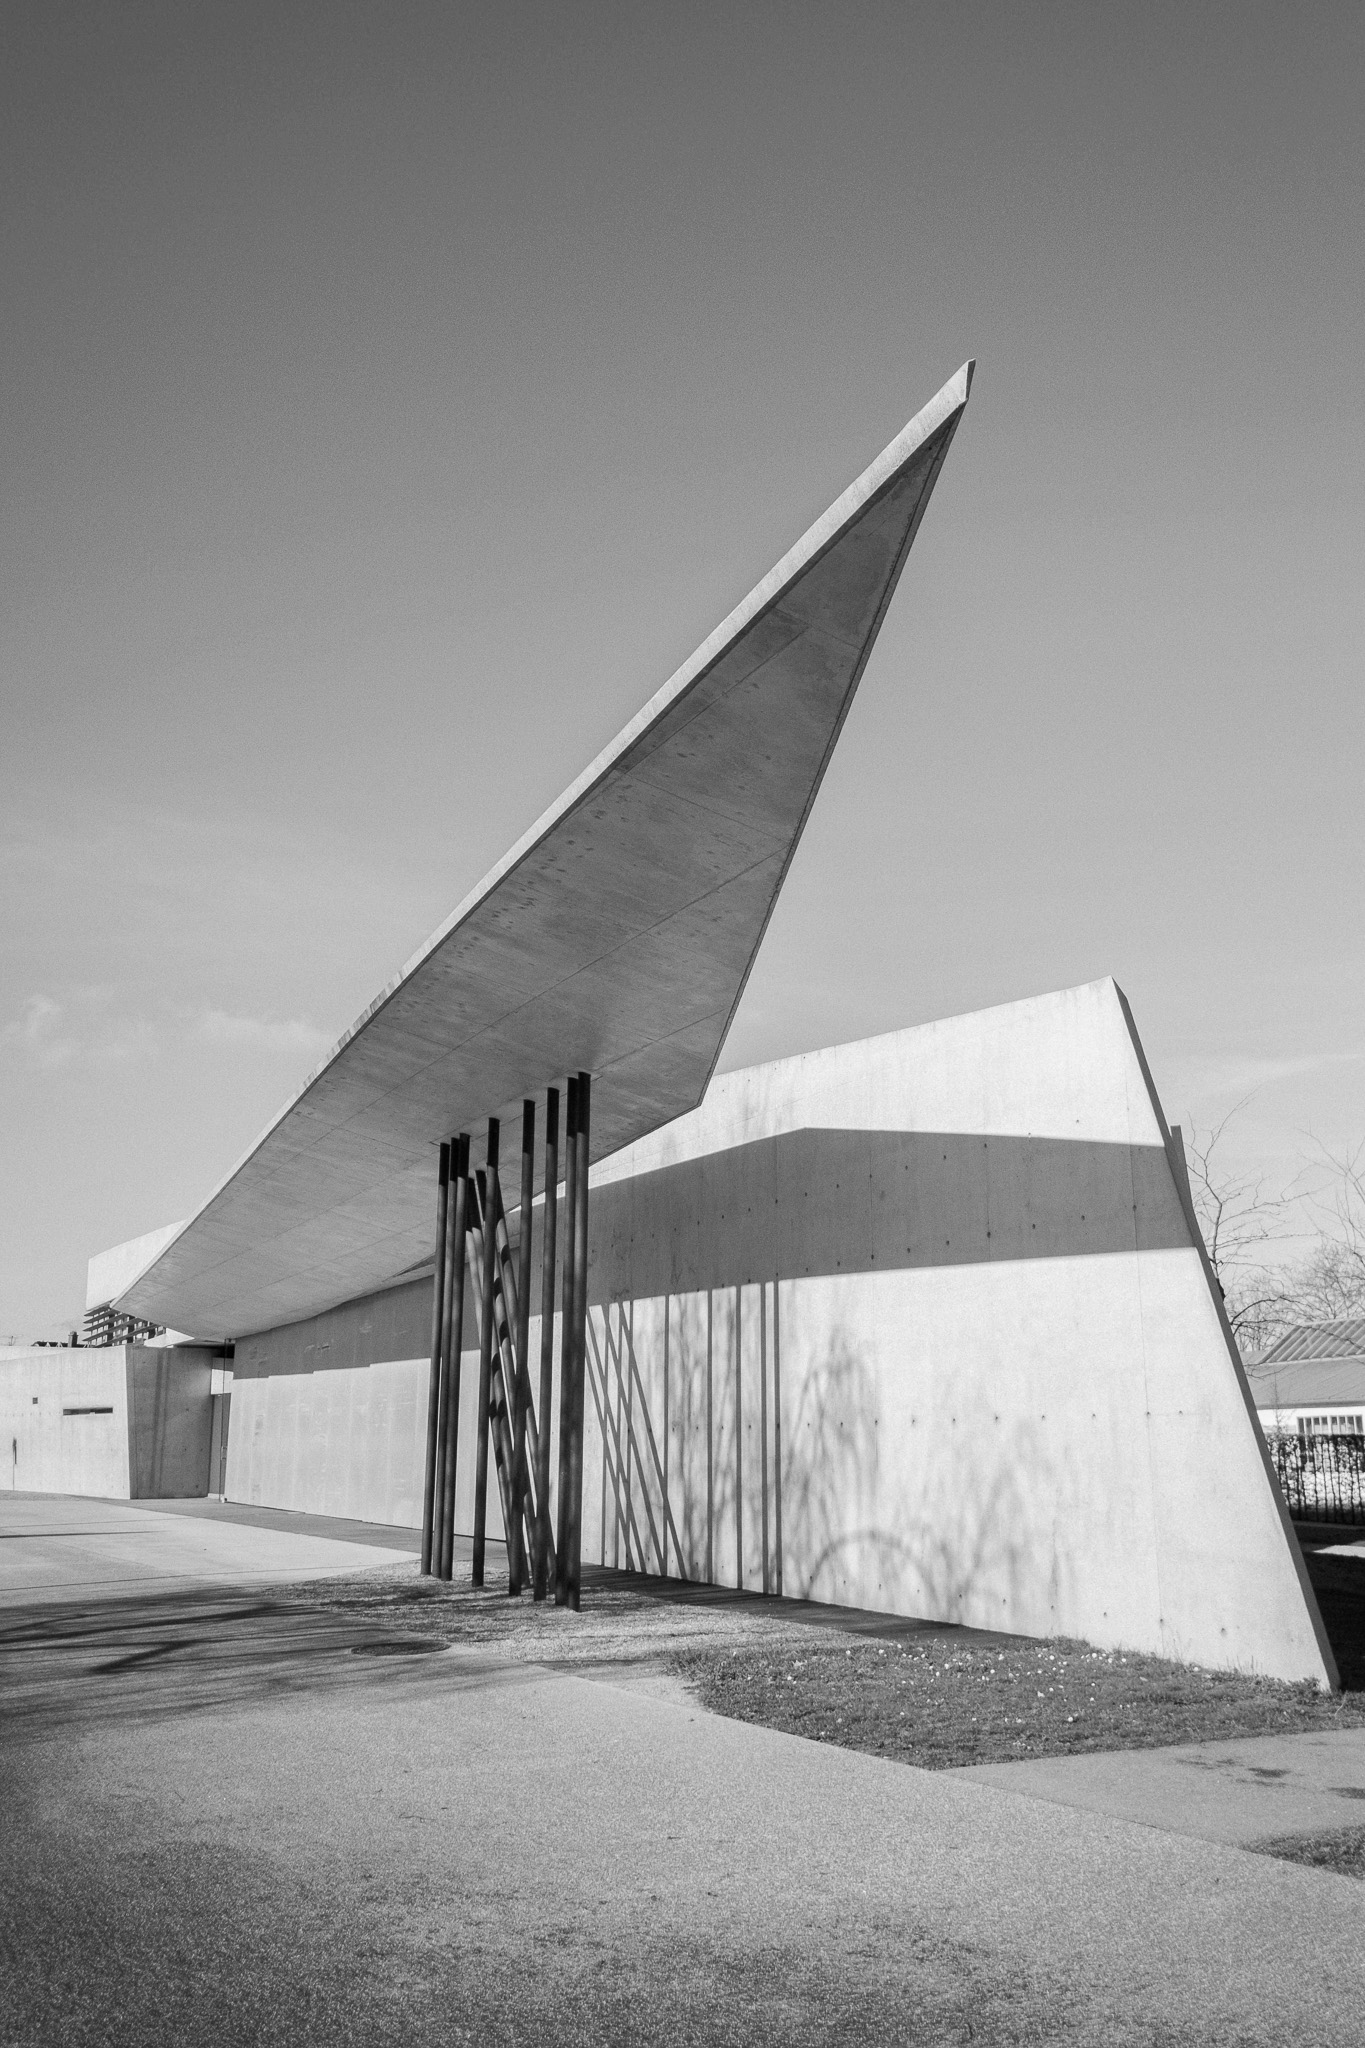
(374, 1329)
(834, 1201)
(803, 1203)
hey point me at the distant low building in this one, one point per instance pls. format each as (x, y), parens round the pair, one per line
(1311, 1381)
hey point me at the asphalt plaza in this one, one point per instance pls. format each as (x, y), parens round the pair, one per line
(234, 1812)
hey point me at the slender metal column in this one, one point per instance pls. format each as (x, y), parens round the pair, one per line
(521, 1368)
(664, 1472)
(616, 1405)
(621, 1340)
(739, 1451)
(580, 1338)
(710, 1454)
(490, 1274)
(442, 1419)
(452, 1348)
(541, 1571)
(566, 1344)
(777, 1439)
(434, 1389)
(602, 1547)
(506, 1377)
(763, 1417)
(443, 1427)
(504, 1371)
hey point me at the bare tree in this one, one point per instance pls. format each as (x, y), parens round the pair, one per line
(1238, 1217)
(1330, 1283)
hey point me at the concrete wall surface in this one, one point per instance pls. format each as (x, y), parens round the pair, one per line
(109, 1272)
(116, 1422)
(329, 1415)
(64, 1422)
(920, 1324)
(344, 1440)
(170, 1421)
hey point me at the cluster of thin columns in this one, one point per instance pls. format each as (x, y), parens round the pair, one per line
(472, 1240)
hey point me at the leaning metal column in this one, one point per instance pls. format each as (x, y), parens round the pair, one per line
(521, 1369)
(541, 1569)
(452, 1348)
(434, 1390)
(490, 1274)
(566, 1345)
(580, 1339)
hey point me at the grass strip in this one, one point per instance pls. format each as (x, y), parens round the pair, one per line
(1341, 1850)
(941, 1702)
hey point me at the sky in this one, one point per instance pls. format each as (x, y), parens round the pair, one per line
(395, 395)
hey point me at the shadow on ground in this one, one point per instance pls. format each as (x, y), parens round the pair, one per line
(1339, 1583)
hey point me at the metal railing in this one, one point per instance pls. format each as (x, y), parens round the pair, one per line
(1322, 1477)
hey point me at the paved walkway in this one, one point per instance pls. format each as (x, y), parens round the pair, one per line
(1257, 1789)
(56, 1547)
(287, 1521)
(232, 1819)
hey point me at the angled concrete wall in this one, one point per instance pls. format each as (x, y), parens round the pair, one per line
(1008, 1393)
(960, 1271)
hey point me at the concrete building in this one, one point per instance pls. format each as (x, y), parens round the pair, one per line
(922, 1324)
(1309, 1390)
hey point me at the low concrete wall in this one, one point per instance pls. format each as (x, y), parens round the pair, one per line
(120, 1422)
(64, 1422)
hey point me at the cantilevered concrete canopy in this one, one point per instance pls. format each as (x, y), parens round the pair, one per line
(616, 937)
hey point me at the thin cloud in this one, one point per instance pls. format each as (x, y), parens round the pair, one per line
(38, 1031)
(53, 1035)
(88, 1029)
(270, 1034)
(1240, 1074)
